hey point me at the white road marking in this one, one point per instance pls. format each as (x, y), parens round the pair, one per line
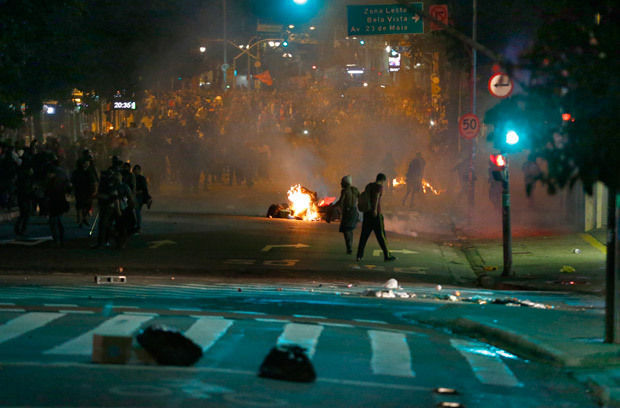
(390, 354)
(487, 366)
(77, 311)
(265, 320)
(121, 325)
(206, 331)
(309, 316)
(303, 335)
(369, 321)
(58, 305)
(25, 323)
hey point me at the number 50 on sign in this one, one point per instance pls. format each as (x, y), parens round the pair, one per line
(469, 126)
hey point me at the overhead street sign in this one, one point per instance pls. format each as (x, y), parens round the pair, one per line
(384, 19)
(500, 85)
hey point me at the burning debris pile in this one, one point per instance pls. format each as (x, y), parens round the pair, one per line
(427, 188)
(304, 205)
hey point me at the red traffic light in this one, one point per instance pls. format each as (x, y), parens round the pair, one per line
(566, 117)
(498, 160)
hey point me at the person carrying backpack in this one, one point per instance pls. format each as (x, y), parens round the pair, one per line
(348, 206)
(370, 204)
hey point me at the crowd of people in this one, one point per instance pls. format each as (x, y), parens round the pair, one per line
(197, 138)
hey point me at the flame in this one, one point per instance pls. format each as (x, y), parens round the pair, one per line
(426, 186)
(326, 201)
(398, 181)
(301, 204)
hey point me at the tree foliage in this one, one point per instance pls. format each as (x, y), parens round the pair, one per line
(575, 69)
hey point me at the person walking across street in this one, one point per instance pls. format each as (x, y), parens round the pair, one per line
(348, 207)
(373, 220)
(414, 176)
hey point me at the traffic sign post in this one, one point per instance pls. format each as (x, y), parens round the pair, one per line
(500, 85)
(440, 13)
(384, 19)
(469, 126)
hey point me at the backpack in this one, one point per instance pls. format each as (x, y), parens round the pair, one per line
(363, 202)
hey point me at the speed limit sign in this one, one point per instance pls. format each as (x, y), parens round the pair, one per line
(469, 125)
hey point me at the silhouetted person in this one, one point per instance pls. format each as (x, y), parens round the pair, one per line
(373, 220)
(348, 207)
(414, 176)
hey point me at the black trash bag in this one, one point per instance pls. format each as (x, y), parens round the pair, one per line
(274, 211)
(287, 362)
(168, 346)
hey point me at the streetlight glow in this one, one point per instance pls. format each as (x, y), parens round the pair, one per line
(291, 26)
(312, 27)
(300, 2)
(203, 49)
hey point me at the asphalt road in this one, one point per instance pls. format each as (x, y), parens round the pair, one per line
(236, 247)
(365, 351)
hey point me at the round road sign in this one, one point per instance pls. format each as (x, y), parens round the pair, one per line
(500, 85)
(469, 126)
(257, 64)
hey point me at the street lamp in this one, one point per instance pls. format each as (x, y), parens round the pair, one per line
(203, 49)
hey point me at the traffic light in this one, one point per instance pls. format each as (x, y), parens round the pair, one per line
(498, 166)
(510, 126)
(285, 43)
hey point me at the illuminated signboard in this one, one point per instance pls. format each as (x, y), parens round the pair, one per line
(124, 105)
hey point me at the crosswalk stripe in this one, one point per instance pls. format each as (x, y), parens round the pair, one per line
(206, 331)
(121, 325)
(390, 354)
(25, 323)
(487, 366)
(304, 335)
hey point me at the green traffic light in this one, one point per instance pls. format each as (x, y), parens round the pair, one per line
(285, 43)
(512, 138)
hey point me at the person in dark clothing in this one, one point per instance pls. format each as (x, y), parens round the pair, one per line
(348, 206)
(414, 175)
(373, 220)
(142, 196)
(128, 177)
(84, 184)
(56, 187)
(106, 197)
(25, 197)
(124, 216)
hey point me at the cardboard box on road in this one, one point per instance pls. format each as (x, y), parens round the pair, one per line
(111, 349)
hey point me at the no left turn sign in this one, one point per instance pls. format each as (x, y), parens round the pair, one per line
(469, 126)
(500, 85)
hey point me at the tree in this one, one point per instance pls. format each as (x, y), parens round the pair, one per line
(570, 109)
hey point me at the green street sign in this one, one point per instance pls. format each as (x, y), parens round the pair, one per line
(384, 19)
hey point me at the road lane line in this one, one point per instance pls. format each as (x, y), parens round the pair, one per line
(594, 242)
(303, 335)
(25, 323)
(487, 366)
(206, 331)
(121, 325)
(390, 354)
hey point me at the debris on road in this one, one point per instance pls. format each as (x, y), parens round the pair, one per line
(168, 346)
(576, 251)
(288, 362)
(111, 349)
(438, 287)
(567, 269)
(391, 284)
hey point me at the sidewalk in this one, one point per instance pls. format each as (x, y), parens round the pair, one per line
(544, 259)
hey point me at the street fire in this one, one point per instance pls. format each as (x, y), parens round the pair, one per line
(426, 186)
(303, 203)
(398, 181)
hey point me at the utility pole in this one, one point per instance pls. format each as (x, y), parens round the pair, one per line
(472, 156)
(224, 65)
(612, 283)
(506, 230)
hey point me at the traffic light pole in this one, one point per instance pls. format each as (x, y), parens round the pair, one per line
(506, 232)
